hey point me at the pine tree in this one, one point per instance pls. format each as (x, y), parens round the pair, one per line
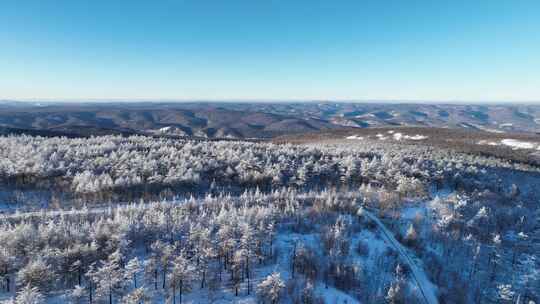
(136, 296)
(38, 274)
(29, 295)
(108, 277)
(133, 267)
(505, 293)
(181, 276)
(270, 289)
(247, 251)
(411, 235)
(164, 253)
(77, 295)
(151, 271)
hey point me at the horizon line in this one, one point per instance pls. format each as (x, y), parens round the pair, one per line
(268, 100)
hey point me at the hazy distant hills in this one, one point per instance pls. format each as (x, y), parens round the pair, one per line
(160, 119)
(255, 120)
(494, 118)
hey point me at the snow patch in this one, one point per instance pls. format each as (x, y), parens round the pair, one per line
(345, 122)
(400, 136)
(354, 137)
(488, 143)
(411, 213)
(416, 137)
(332, 295)
(516, 144)
(509, 142)
(428, 289)
(486, 129)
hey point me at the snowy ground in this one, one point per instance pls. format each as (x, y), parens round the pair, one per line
(226, 294)
(426, 288)
(398, 136)
(379, 242)
(512, 143)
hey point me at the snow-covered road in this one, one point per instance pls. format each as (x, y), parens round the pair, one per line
(427, 289)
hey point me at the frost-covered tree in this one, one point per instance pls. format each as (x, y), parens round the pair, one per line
(133, 267)
(164, 253)
(29, 295)
(37, 274)
(247, 244)
(234, 230)
(271, 288)
(108, 277)
(136, 296)
(77, 295)
(505, 293)
(181, 276)
(411, 236)
(151, 270)
(396, 291)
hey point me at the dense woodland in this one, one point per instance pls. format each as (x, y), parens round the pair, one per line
(114, 168)
(138, 219)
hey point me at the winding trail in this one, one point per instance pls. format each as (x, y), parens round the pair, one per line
(427, 289)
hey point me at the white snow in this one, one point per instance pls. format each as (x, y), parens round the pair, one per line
(486, 129)
(411, 213)
(427, 289)
(377, 246)
(400, 136)
(416, 137)
(516, 144)
(354, 137)
(506, 125)
(332, 295)
(345, 122)
(510, 142)
(489, 143)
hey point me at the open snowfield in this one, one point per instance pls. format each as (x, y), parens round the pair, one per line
(512, 143)
(392, 135)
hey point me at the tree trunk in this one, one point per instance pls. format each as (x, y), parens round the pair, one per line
(155, 279)
(90, 292)
(247, 275)
(271, 248)
(180, 293)
(293, 261)
(164, 277)
(203, 279)
(174, 293)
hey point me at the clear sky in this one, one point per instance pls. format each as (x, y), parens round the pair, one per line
(481, 50)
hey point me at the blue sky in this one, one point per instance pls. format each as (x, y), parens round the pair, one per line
(271, 49)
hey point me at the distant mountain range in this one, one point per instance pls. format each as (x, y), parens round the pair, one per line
(255, 120)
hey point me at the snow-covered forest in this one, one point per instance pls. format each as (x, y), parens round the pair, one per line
(140, 219)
